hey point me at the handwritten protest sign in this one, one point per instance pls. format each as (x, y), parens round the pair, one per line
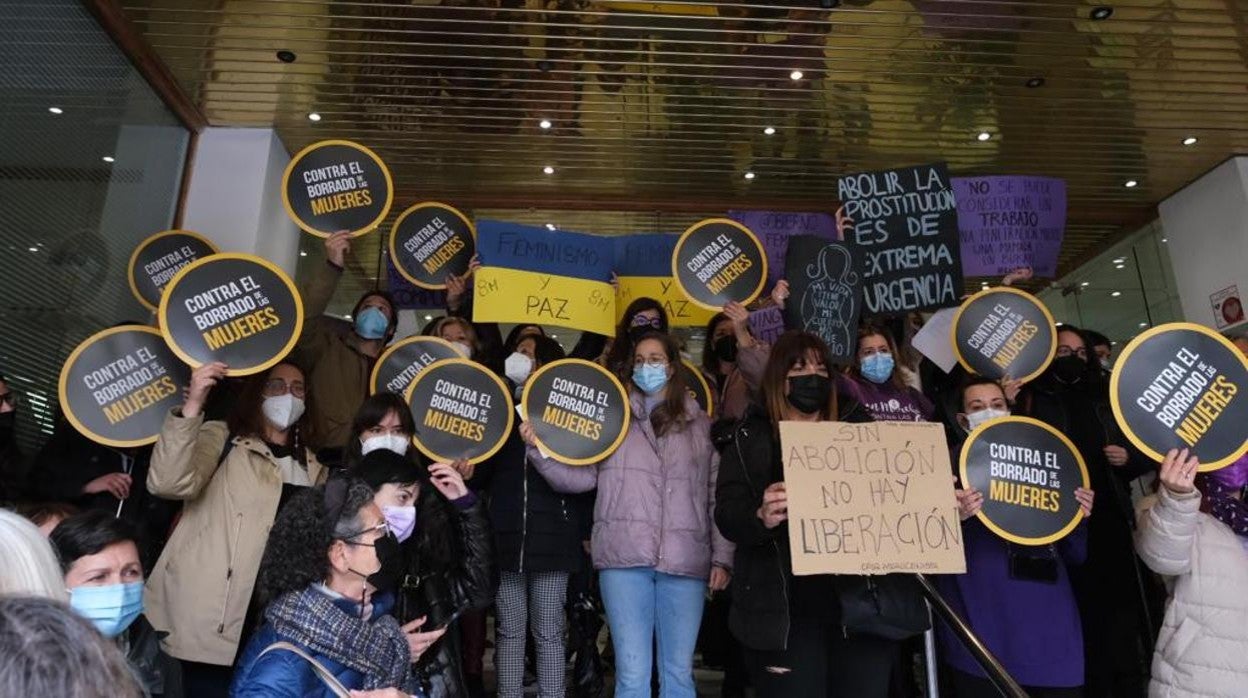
(1028, 473)
(775, 228)
(337, 185)
(1181, 385)
(118, 385)
(767, 324)
(531, 275)
(643, 268)
(238, 309)
(826, 296)
(870, 498)
(462, 410)
(400, 362)
(905, 233)
(1007, 222)
(431, 241)
(155, 261)
(717, 261)
(579, 411)
(1003, 332)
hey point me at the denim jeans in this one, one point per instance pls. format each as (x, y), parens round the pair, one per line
(642, 603)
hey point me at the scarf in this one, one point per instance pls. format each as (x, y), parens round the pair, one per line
(378, 650)
(1224, 490)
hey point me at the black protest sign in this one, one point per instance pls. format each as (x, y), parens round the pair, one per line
(1004, 332)
(462, 411)
(430, 242)
(698, 387)
(905, 234)
(579, 411)
(825, 293)
(717, 261)
(400, 362)
(238, 309)
(118, 386)
(1028, 473)
(157, 259)
(337, 185)
(1181, 386)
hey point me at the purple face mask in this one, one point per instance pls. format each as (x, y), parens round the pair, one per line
(401, 520)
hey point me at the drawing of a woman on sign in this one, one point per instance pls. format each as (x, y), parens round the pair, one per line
(829, 305)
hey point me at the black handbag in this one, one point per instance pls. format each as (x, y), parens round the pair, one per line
(889, 606)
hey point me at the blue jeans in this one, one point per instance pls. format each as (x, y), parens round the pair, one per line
(640, 601)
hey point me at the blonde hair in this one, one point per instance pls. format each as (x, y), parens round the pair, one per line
(30, 567)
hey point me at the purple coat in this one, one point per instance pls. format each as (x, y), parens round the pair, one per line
(656, 497)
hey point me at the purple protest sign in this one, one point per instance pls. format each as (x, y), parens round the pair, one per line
(408, 296)
(774, 228)
(767, 324)
(1010, 222)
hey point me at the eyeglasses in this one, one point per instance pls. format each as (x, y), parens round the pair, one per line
(1063, 350)
(873, 351)
(10, 398)
(640, 362)
(645, 320)
(379, 527)
(277, 386)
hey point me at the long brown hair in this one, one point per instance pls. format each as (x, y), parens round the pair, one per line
(869, 330)
(247, 417)
(671, 412)
(620, 355)
(791, 348)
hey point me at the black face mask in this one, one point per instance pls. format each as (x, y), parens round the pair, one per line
(636, 333)
(1069, 369)
(726, 349)
(391, 558)
(7, 420)
(809, 394)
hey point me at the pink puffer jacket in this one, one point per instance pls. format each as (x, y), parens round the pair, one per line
(656, 497)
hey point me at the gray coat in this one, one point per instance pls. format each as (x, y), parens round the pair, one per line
(656, 497)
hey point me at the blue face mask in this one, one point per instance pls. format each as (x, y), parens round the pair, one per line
(371, 323)
(650, 377)
(877, 367)
(111, 608)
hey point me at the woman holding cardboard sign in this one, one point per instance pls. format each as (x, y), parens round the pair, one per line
(654, 542)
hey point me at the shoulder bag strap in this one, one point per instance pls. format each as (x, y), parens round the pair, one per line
(331, 682)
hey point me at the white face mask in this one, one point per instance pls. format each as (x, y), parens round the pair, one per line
(390, 442)
(517, 367)
(282, 410)
(463, 349)
(974, 419)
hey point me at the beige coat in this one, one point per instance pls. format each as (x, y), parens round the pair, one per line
(202, 584)
(1203, 646)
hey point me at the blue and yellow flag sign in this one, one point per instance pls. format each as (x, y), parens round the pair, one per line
(533, 275)
(643, 264)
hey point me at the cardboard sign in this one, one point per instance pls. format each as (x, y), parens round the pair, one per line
(643, 269)
(932, 339)
(699, 389)
(1010, 222)
(337, 185)
(905, 234)
(238, 309)
(1028, 473)
(775, 228)
(1228, 307)
(1181, 385)
(531, 275)
(717, 261)
(579, 411)
(462, 410)
(119, 384)
(870, 498)
(826, 295)
(1004, 332)
(157, 259)
(767, 324)
(399, 364)
(431, 241)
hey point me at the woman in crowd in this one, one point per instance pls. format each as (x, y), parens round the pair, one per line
(641, 317)
(654, 542)
(518, 333)
(100, 557)
(728, 338)
(445, 562)
(48, 650)
(875, 382)
(1017, 599)
(1072, 396)
(320, 580)
(339, 357)
(461, 334)
(30, 567)
(790, 626)
(233, 478)
(1203, 645)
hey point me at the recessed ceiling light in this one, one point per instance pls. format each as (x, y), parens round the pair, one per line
(1131, 184)
(1084, 283)
(1119, 266)
(548, 169)
(796, 75)
(749, 175)
(108, 158)
(1101, 12)
(33, 249)
(984, 135)
(302, 253)
(1190, 140)
(550, 226)
(1115, 294)
(1143, 324)
(286, 56)
(56, 110)
(544, 123)
(314, 117)
(1164, 240)
(1058, 324)
(769, 131)
(1035, 82)
(428, 318)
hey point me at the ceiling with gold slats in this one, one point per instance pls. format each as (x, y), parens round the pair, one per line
(663, 107)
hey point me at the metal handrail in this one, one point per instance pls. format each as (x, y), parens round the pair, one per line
(991, 665)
